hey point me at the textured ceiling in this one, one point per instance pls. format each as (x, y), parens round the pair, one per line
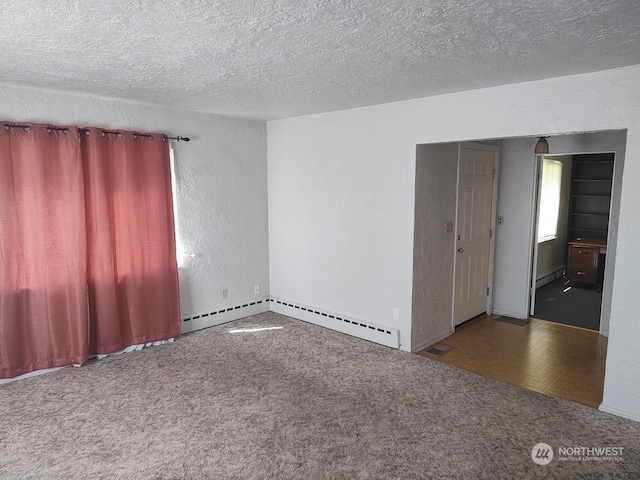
(270, 59)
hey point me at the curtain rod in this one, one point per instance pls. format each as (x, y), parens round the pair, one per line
(135, 134)
(27, 128)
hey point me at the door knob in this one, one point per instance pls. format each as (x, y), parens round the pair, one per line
(460, 250)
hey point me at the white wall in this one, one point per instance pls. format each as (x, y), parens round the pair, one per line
(341, 197)
(222, 188)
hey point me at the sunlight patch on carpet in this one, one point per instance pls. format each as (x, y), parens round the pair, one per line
(249, 330)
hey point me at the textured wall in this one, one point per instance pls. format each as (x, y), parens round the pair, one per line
(435, 205)
(341, 192)
(334, 241)
(221, 183)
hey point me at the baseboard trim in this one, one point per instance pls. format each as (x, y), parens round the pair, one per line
(365, 330)
(198, 321)
(619, 412)
(431, 340)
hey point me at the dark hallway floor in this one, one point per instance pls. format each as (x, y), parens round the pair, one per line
(579, 306)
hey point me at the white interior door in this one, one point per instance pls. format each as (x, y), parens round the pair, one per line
(473, 230)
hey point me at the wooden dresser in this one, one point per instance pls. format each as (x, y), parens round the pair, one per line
(583, 264)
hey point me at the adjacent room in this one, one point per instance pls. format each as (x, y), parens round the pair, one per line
(228, 228)
(481, 226)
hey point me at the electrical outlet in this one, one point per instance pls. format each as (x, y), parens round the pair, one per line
(225, 294)
(396, 314)
(500, 220)
(256, 290)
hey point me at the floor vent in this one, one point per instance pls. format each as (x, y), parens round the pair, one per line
(368, 331)
(438, 349)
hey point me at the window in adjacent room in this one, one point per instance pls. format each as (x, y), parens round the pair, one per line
(550, 186)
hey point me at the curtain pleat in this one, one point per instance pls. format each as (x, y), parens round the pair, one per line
(131, 254)
(43, 280)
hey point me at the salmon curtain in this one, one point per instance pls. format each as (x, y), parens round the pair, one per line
(43, 280)
(131, 254)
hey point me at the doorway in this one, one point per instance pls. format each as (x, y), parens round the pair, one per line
(434, 261)
(573, 207)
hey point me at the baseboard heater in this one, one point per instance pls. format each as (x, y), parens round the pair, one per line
(549, 277)
(351, 326)
(197, 321)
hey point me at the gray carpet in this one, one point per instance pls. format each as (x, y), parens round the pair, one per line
(298, 402)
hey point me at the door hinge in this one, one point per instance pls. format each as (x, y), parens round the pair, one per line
(494, 173)
(491, 233)
(487, 291)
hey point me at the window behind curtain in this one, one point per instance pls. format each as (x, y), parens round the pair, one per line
(550, 186)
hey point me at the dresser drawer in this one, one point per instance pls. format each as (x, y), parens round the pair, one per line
(583, 264)
(582, 275)
(584, 258)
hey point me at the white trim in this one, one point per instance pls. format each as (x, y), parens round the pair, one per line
(381, 334)
(619, 412)
(432, 340)
(532, 266)
(200, 320)
(455, 242)
(494, 221)
(548, 238)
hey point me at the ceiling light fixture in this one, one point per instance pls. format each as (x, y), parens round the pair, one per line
(542, 146)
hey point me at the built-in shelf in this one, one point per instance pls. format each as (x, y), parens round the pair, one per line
(592, 177)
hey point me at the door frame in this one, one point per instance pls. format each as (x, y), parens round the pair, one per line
(537, 175)
(534, 223)
(492, 237)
